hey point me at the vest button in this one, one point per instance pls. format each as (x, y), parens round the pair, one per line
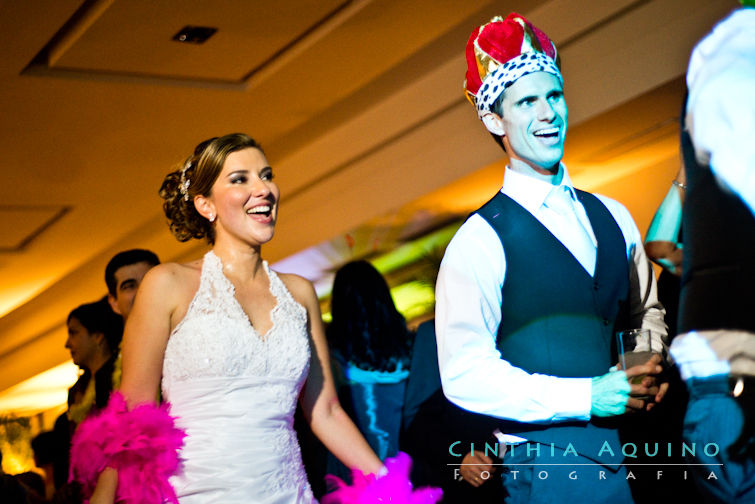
(595, 286)
(605, 322)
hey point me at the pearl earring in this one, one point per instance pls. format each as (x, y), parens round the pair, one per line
(212, 218)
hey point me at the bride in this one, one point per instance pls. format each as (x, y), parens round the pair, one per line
(232, 344)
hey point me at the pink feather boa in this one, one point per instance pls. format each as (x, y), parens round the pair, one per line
(141, 444)
(393, 487)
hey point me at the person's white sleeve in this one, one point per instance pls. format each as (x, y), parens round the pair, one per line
(721, 108)
(644, 308)
(468, 312)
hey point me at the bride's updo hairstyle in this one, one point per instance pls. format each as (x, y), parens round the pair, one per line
(196, 177)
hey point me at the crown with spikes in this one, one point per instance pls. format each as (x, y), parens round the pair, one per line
(500, 52)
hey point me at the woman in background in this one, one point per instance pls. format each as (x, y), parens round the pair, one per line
(371, 352)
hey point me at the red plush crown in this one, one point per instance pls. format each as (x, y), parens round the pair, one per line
(513, 40)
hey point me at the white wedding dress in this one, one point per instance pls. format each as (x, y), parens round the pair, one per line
(234, 392)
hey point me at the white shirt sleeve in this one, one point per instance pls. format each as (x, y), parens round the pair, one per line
(644, 308)
(468, 313)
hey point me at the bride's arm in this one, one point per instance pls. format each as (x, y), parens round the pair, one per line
(146, 334)
(107, 484)
(143, 348)
(319, 401)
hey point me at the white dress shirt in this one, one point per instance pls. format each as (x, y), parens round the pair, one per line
(468, 312)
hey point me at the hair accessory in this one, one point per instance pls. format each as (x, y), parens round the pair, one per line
(183, 186)
(500, 52)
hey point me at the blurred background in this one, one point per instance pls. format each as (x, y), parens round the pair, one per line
(358, 105)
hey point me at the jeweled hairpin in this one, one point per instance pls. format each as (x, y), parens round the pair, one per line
(183, 187)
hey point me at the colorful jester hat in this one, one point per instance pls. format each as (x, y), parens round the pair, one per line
(500, 52)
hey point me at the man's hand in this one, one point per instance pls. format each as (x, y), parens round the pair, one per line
(656, 384)
(613, 394)
(472, 473)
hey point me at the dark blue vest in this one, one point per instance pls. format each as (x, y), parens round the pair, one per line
(556, 319)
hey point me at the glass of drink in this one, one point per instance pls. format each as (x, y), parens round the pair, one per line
(635, 348)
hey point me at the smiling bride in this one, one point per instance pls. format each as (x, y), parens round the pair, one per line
(232, 344)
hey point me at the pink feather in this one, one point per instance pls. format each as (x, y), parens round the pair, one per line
(141, 444)
(394, 486)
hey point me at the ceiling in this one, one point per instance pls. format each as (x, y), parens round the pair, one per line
(358, 105)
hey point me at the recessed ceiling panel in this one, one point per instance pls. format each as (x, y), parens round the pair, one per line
(20, 224)
(134, 36)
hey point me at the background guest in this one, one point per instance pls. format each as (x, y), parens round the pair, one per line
(94, 333)
(371, 346)
(432, 424)
(663, 245)
(34, 485)
(123, 275)
(663, 425)
(715, 348)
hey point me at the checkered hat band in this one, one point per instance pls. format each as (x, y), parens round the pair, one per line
(505, 75)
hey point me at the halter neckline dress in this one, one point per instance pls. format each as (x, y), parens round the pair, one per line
(234, 392)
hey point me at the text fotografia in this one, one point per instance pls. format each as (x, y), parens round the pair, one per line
(597, 474)
(552, 455)
(629, 450)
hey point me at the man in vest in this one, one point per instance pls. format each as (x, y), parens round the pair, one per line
(715, 350)
(535, 283)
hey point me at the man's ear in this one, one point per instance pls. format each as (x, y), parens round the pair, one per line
(493, 123)
(114, 304)
(99, 337)
(204, 206)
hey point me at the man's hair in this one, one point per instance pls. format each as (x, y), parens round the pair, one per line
(99, 317)
(126, 258)
(497, 108)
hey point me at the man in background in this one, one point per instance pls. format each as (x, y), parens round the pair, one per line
(123, 274)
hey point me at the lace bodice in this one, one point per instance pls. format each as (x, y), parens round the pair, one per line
(234, 393)
(215, 338)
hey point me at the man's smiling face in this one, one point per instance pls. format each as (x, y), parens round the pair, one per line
(534, 118)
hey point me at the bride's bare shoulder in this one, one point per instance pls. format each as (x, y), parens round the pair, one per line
(300, 288)
(173, 275)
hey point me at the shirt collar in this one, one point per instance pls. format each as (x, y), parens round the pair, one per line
(531, 192)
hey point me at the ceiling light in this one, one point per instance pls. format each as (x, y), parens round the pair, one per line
(194, 34)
